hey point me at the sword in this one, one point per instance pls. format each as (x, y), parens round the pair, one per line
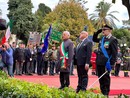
(97, 79)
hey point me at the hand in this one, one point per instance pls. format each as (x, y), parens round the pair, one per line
(86, 66)
(99, 31)
(30, 59)
(4, 49)
(63, 67)
(108, 66)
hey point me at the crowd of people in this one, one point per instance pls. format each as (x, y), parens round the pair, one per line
(30, 60)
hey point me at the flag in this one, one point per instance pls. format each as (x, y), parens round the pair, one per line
(8, 32)
(42, 38)
(46, 40)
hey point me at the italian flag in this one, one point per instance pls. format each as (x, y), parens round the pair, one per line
(8, 32)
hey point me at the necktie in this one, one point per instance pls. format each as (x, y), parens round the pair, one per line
(79, 44)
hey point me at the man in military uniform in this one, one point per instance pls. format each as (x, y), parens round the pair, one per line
(126, 62)
(52, 59)
(118, 62)
(110, 44)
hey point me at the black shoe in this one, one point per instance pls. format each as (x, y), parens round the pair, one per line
(20, 74)
(39, 74)
(77, 90)
(127, 76)
(30, 74)
(61, 87)
(112, 74)
(51, 74)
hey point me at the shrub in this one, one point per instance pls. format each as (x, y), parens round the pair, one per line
(13, 88)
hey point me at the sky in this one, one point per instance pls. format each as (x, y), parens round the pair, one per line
(122, 15)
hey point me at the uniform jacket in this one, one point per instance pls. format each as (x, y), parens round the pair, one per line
(19, 54)
(111, 47)
(83, 52)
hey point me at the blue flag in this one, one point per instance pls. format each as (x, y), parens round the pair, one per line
(46, 40)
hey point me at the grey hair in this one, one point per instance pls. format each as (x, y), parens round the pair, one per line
(67, 32)
(84, 32)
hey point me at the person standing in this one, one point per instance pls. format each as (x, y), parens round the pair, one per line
(93, 62)
(118, 62)
(19, 58)
(126, 57)
(110, 44)
(40, 59)
(7, 58)
(13, 46)
(83, 56)
(65, 56)
(52, 59)
(28, 59)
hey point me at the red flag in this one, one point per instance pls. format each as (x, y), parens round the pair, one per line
(3, 40)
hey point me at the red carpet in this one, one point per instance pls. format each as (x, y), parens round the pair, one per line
(119, 85)
(117, 92)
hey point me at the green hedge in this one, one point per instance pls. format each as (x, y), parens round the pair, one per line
(13, 88)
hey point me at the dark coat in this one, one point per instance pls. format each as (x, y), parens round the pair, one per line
(39, 54)
(83, 52)
(28, 55)
(68, 46)
(19, 54)
(111, 48)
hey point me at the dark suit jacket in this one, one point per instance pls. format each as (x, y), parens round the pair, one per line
(19, 54)
(39, 54)
(83, 52)
(28, 55)
(68, 46)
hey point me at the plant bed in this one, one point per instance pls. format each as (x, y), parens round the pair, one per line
(14, 88)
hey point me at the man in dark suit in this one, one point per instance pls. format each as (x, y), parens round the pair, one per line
(110, 45)
(40, 59)
(83, 55)
(65, 57)
(28, 59)
(19, 58)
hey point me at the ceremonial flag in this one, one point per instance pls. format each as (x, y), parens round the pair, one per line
(46, 40)
(8, 32)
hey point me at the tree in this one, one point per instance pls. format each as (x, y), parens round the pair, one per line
(24, 20)
(103, 16)
(40, 14)
(126, 3)
(123, 36)
(69, 15)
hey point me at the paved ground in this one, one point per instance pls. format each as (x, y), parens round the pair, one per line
(118, 84)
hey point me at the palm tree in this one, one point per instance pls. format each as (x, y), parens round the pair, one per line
(102, 15)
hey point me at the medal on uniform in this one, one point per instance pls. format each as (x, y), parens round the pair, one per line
(106, 44)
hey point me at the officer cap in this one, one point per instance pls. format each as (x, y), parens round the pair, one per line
(107, 27)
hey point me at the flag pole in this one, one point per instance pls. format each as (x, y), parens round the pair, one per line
(97, 79)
